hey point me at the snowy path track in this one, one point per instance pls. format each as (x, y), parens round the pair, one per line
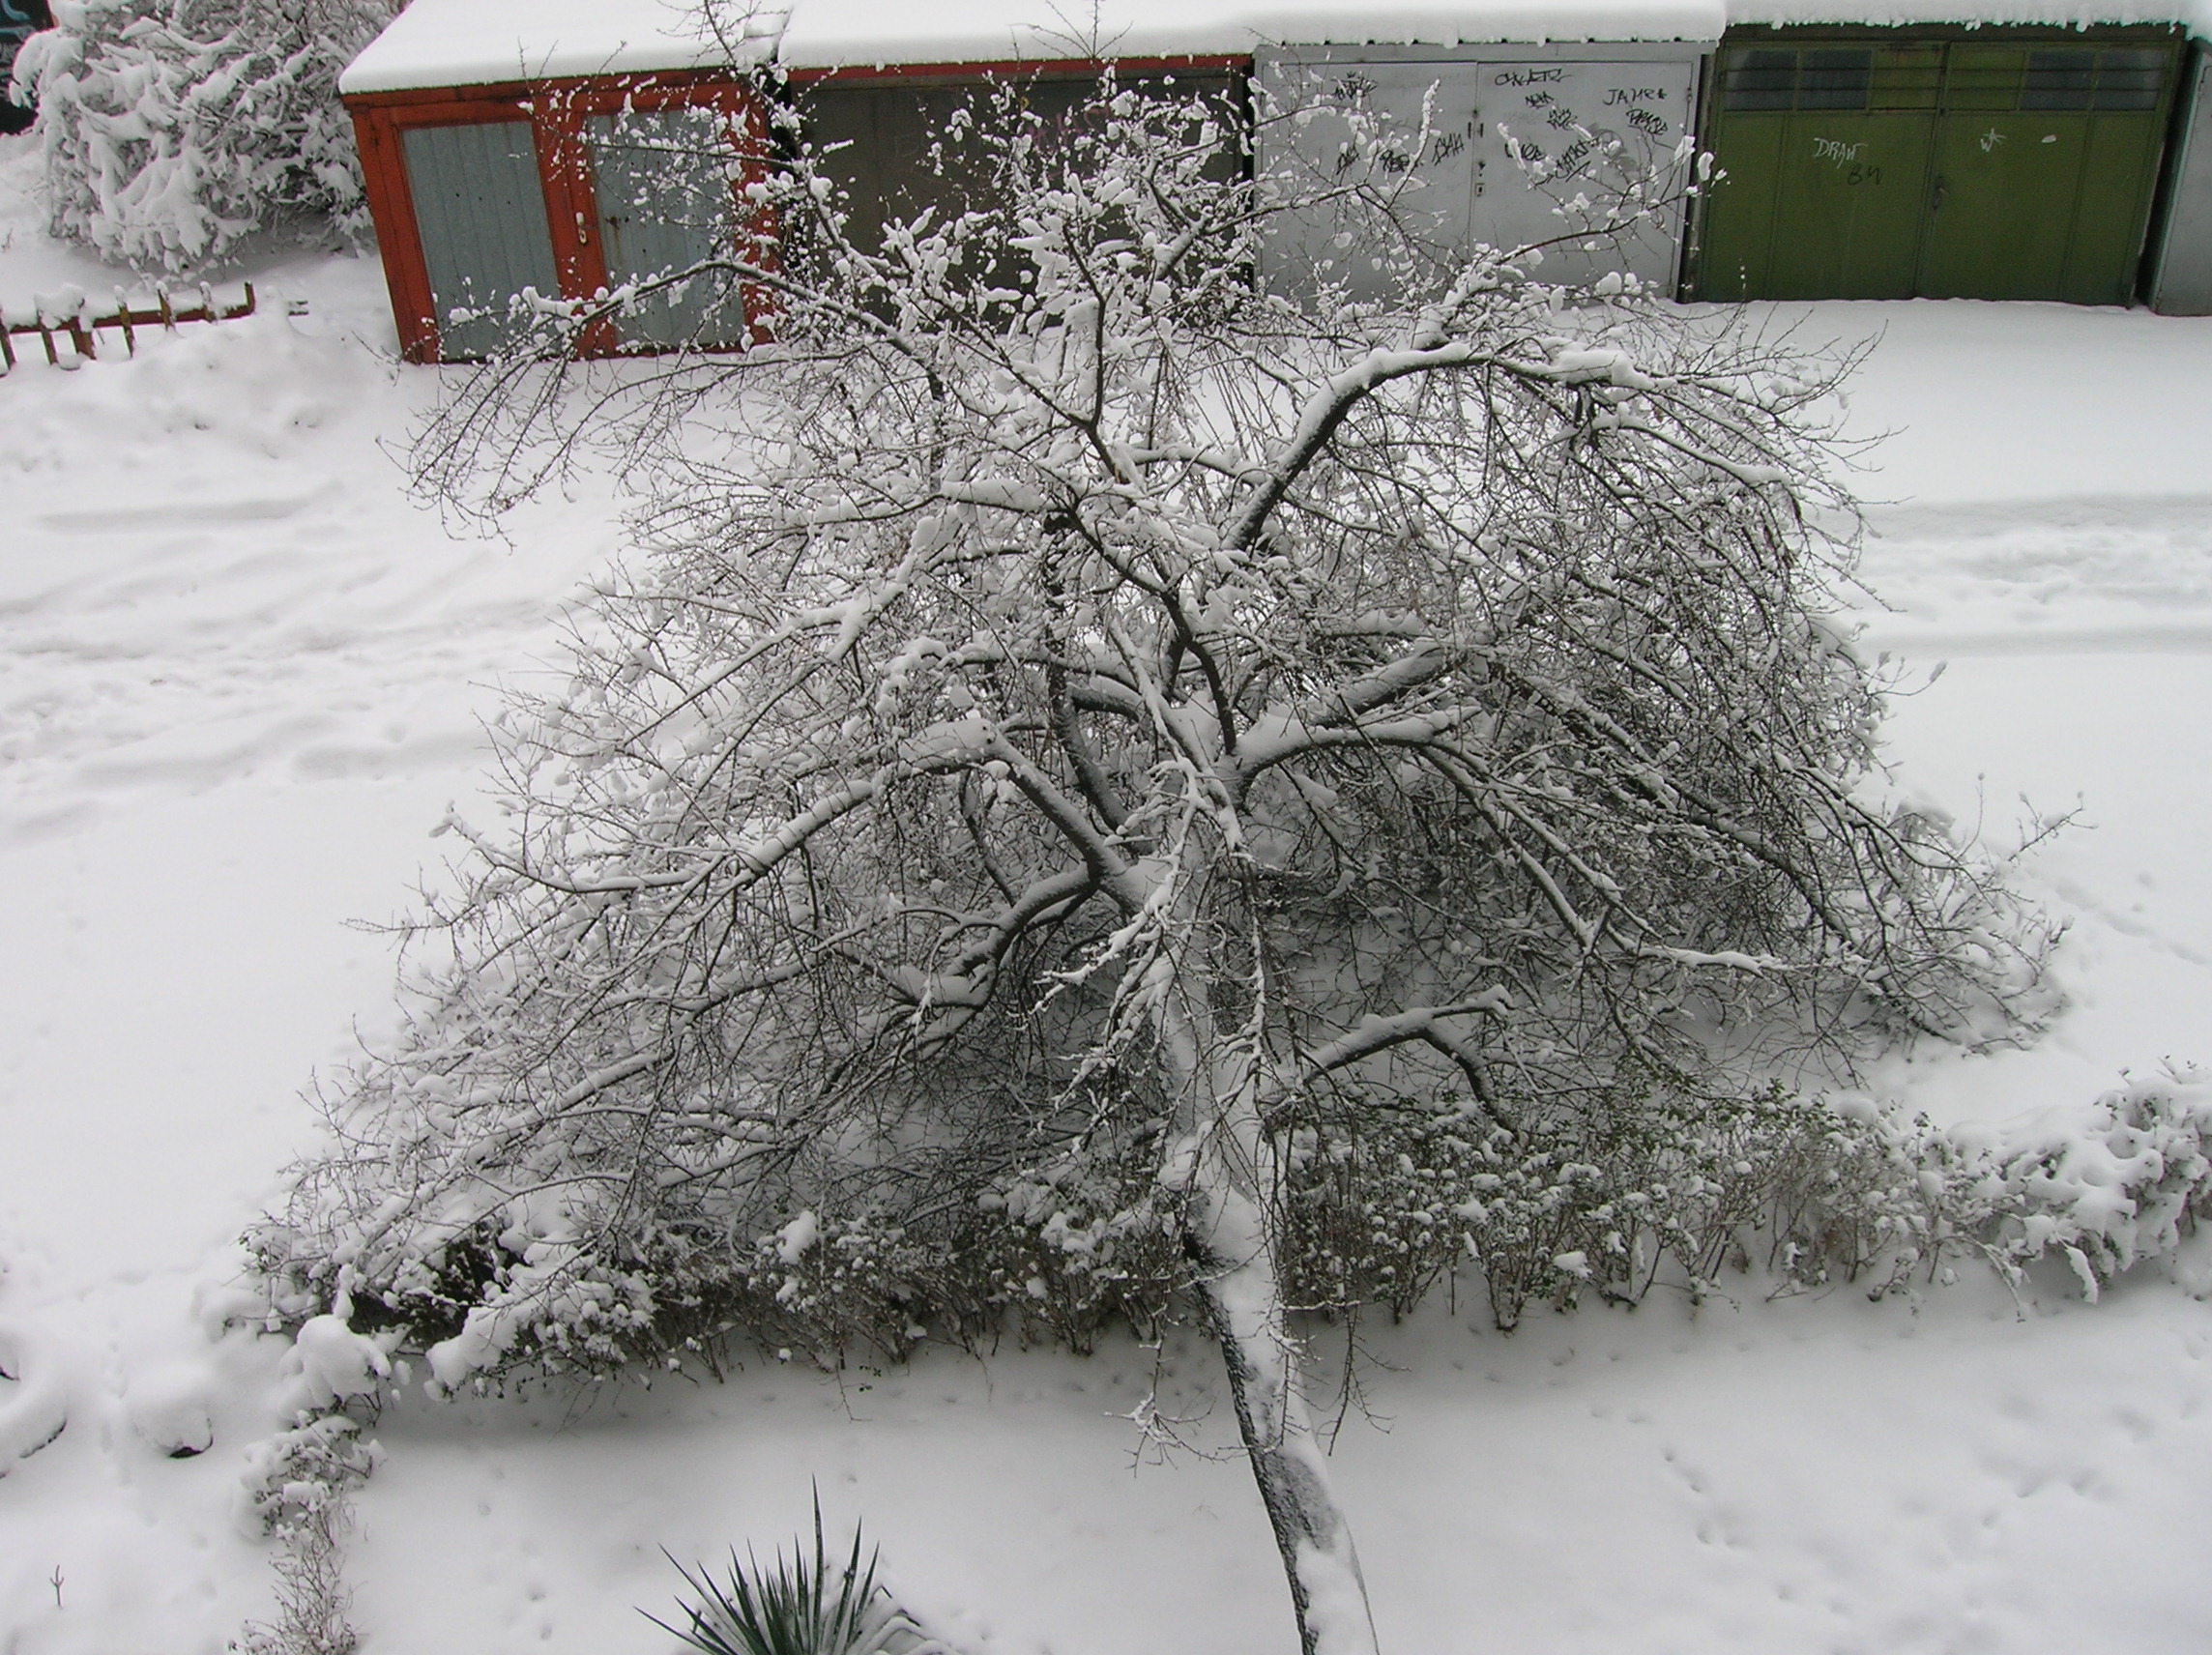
(2099, 575)
(261, 601)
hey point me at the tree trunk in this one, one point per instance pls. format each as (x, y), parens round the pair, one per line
(1327, 1590)
(1244, 1307)
(1235, 1178)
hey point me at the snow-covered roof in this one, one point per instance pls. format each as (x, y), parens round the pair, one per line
(461, 43)
(2196, 13)
(474, 43)
(825, 34)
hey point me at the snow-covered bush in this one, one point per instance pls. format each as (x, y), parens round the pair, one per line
(2123, 1186)
(1105, 776)
(298, 1491)
(173, 130)
(34, 1401)
(1803, 1193)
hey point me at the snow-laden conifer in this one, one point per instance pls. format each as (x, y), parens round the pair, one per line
(1108, 786)
(173, 129)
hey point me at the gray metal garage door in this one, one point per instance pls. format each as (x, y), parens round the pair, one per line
(481, 214)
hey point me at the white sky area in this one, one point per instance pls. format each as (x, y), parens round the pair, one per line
(456, 43)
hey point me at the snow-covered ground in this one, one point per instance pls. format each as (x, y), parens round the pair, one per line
(241, 677)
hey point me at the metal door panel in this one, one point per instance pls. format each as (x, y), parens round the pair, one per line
(481, 210)
(875, 138)
(2181, 283)
(1565, 111)
(2118, 178)
(2035, 163)
(1594, 125)
(2047, 156)
(663, 182)
(1817, 205)
(2002, 203)
(1825, 151)
(1436, 166)
(1735, 259)
(1848, 206)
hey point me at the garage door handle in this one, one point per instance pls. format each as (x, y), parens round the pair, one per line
(1937, 205)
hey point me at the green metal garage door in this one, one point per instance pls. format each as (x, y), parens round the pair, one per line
(1882, 165)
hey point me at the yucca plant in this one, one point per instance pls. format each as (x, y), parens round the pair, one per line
(795, 1608)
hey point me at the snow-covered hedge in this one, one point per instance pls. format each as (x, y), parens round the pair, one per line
(173, 130)
(1802, 1193)
(1805, 1192)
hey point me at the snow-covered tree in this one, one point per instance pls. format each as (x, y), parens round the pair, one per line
(1098, 767)
(173, 130)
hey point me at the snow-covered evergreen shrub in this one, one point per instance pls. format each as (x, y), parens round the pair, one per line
(173, 130)
(2122, 1186)
(1055, 1251)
